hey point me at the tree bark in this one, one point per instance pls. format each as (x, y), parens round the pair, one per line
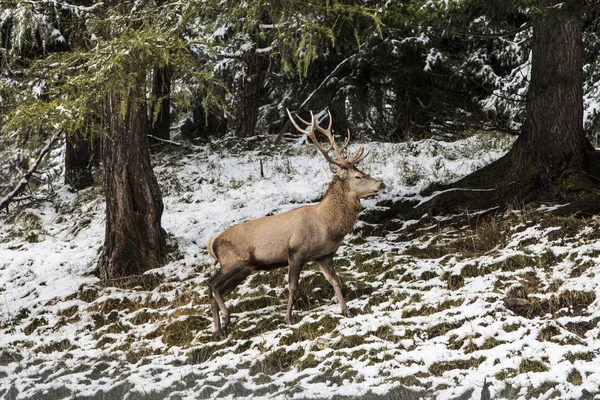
(160, 113)
(134, 240)
(248, 96)
(553, 140)
(552, 160)
(78, 162)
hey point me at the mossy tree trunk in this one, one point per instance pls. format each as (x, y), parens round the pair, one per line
(134, 240)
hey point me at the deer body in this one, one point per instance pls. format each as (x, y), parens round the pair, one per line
(305, 234)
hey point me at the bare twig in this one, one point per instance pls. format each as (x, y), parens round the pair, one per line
(165, 140)
(4, 202)
(286, 126)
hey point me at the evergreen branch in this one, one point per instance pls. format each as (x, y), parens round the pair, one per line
(25, 180)
(524, 27)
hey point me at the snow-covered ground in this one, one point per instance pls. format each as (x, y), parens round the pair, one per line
(439, 309)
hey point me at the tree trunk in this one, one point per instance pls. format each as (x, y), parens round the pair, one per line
(78, 162)
(160, 113)
(552, 160)
(134, 240)
(553, 140)
(248, 95)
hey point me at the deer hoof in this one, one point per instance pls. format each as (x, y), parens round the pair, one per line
(347, 313)
(225, 322)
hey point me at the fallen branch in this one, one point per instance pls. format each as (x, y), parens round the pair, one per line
(25, 180)
(165, 140)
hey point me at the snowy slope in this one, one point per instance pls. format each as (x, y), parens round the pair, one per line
(431, 319)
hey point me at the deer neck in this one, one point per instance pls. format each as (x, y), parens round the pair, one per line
(339, 208)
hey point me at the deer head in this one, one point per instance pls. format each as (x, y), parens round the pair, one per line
(343, 166)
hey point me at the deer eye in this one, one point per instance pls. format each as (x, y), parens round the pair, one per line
(358, 177)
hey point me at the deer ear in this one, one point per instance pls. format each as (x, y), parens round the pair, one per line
(336, 169)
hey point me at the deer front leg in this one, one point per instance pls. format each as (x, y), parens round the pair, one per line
(326, 266)
(295, 266)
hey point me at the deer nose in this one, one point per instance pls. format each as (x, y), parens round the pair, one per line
(381, 187)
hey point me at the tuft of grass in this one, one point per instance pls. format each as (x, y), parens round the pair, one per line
(583, 356)
(455, 282)
(442, 329)
(36, 323)
(62, 345)
(310, 331)
(350, 341)
(310, 361)
(544, 387)
(144, 316)
(547, 333)
(429, 310)
(181, 332)
(527, 365)
(386, 332)
(574, 377)
(276, 361)
(439, 367)
(505, 374)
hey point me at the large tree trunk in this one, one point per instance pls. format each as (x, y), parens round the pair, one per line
(161, 93)
(553, 140)
(552, 160)
(78, 162)
(134, 239)
(248, 95)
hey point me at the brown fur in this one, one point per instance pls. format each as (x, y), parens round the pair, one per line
(309, 233)
(295, 237)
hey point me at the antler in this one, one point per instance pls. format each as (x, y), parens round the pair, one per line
(345, 162)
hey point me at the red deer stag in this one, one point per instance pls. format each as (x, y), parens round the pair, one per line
(309, 233)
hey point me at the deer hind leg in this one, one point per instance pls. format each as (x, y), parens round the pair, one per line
(216, 284)
(214, 308)
(228, 286)
(295, 266)
(326, 266)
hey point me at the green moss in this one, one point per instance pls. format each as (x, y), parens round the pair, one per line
(428, 275)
